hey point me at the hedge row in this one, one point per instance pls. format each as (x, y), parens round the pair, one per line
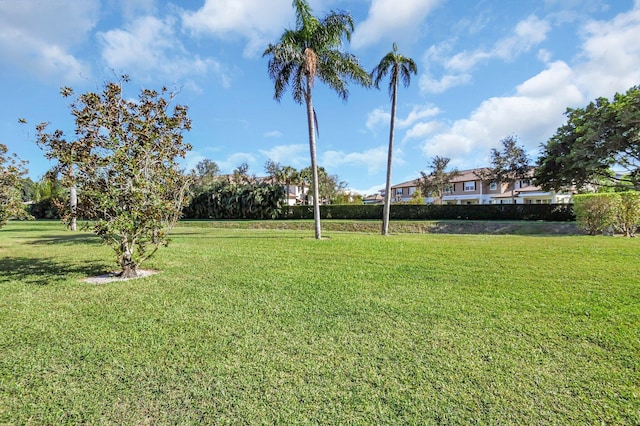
(543, 212)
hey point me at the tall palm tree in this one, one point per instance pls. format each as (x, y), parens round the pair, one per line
(310, 51)
(399, 67)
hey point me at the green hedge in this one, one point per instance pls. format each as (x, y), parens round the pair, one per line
(544, 212)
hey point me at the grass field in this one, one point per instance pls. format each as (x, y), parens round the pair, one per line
(270, 326)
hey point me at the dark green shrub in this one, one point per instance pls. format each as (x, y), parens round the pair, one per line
(544, 212)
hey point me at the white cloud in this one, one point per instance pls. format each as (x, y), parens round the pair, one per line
(377, 117)
(527, 34)
(230, 163)
(374, 159)
(273, 134)
(258, 21)
(533, 113)
(422, 129)
(430, 85)
(149, 47)
(610, 59)
(457, 68)
(389, 19)
(418, 113)
(33, 39)
(296, 155)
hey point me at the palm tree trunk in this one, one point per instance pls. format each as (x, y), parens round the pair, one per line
(387, 193)
(314, 164)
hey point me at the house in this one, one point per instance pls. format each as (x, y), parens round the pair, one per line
(468, 188)
(402, 193)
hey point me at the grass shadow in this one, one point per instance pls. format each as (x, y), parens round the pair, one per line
(44, 271)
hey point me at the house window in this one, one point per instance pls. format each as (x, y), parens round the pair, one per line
(493, 186)
(470, 186)
(524, 183)
(412, 190)
(398, 191)
(450, 188)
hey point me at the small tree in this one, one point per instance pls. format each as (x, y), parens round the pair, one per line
(508, 165)
(435, 183)
(206, 173)
(124, 166)
(11, 171)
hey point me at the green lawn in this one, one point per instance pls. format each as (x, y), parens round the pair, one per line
(271, 326)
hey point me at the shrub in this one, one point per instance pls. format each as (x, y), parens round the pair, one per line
(596, 213)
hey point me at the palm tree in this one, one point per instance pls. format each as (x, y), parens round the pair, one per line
(312, 50)
(400, 67)
(289, 175)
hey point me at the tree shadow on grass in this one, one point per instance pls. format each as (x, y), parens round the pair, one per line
(45, 271)
(70, 238)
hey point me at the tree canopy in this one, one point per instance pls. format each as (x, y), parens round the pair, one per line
(595, 141)
(507, 165)
(123, 162)
(11, 171)
(434, 184)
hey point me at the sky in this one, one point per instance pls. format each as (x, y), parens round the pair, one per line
(487, 69)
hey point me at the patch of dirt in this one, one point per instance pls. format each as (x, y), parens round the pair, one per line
(113, 276)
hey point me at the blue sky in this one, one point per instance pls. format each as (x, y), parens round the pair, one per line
(487, 69)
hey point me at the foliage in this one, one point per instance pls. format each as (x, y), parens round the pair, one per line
(330, 186)
(206, 172)
(507, 165)
(314, 50)
(601, 136)
(435, 183)
(241, 175)
(286, 175)
(415, 329)
(596, 213)
(541, 212)
(399, 67)
(11, 171)
(229, 200)
(123, 164)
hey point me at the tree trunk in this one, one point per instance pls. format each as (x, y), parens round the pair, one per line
(73, 205)
(387, 194)
(314, 164)
(129, 267)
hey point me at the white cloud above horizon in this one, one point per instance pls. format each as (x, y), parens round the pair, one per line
(389, 19)
(31, 37)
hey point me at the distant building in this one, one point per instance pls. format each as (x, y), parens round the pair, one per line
(468, 188)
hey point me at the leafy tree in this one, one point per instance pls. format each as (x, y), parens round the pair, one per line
(285, 175)
(436, 182)
(601, 136)
(11, 171)
(400, 68)
(207, 172)
(314, 50)
(416, 197)
(241, 174)
(124, 165)
(508, 165)
(330, 186)
(28, 189)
